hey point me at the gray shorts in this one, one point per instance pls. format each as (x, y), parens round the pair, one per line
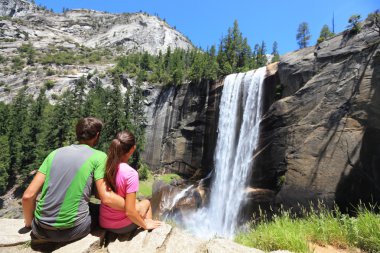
(51, 234)
(40, 231)
(130, 228)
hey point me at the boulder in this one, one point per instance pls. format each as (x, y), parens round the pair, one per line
(12, 232)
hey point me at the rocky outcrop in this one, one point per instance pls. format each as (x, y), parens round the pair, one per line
(181, 129)
(164, 239)
(14, 8)
(74, 28)
(321, 140)
(72, 32)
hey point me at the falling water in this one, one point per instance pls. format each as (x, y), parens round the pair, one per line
(238, 128)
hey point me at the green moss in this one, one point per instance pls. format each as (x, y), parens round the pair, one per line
(168, 178)
(145, 187)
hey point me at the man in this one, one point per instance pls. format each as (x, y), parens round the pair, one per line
(66, 178)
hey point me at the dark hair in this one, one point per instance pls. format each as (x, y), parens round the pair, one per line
(87, 128)
(121, 145)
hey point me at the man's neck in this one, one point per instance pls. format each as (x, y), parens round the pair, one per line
(88, 143)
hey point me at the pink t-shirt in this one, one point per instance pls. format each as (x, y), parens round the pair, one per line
(127, 181)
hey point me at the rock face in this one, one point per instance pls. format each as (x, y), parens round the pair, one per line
(181, 129)
(73, 28)
(322, 139)
(72, 32)
(14, 8)
(166, 239)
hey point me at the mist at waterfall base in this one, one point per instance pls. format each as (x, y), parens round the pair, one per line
(238, 129)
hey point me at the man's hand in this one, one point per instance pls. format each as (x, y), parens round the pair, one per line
(108, 197)
(29, 198)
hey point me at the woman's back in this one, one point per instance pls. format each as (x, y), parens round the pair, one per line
(127, 181)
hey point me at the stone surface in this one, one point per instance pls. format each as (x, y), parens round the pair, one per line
(9, 232)
(80, 246)
(321, 141)
(179, 120)
(165, 239)
(142, 242)
(223, 245)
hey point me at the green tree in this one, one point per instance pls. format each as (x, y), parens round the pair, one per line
(4, 163)
(325, 34)
(354, 24)
(276, 55)
(303, 35)
(197, 68)
(212, 67)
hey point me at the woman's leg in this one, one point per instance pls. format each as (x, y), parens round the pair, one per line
(144, 209)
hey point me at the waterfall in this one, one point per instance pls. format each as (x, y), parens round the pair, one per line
(238, 129)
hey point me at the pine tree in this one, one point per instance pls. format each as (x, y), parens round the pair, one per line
(303, 35)
(17, 132)
(212, 67)
(325, 34)
(276, 55)
(354, 24)
(4, 163)
(196, 71)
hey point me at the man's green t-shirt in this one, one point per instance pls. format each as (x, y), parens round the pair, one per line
(70, 173)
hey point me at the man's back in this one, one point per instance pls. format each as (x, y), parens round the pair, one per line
(70, 172)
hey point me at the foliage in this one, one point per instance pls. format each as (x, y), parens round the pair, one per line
(49, 84)
(276, 55)
(18, 63)
(178, 66)
(354, 24)
(303, 35)
(319, 226)
(325, 34)
(168, 178)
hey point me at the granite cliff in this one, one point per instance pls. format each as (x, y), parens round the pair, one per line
(321, 140)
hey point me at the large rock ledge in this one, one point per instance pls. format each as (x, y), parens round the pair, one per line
(163, 239)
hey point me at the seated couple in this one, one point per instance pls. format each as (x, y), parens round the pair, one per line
(66, 178)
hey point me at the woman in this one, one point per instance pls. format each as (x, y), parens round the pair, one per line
(124, 180)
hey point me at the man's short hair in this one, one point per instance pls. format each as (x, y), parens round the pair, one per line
(87, 128)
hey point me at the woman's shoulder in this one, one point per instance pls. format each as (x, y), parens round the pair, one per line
(126, 169)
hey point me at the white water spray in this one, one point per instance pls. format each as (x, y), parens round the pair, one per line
(238, 129)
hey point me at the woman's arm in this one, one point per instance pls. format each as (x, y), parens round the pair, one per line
(134, 216)
(29, 197)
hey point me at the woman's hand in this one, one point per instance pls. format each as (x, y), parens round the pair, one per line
(152, 224)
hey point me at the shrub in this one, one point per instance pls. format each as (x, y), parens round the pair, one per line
(144, 171)
(49, 84)
(354, 24)
(18, 63)
(50, 72)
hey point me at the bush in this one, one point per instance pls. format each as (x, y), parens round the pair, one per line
(50, 72)
(144, 171)
(18, 63)
(49, 84)
(354, 24)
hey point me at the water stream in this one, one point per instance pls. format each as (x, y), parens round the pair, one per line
(238, 129)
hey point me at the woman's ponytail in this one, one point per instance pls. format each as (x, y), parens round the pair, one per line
(121, 145)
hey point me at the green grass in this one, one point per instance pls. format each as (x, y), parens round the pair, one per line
(323, 228)
(145, 187)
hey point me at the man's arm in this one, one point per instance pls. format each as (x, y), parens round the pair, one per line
(29, 197)
(108, 197)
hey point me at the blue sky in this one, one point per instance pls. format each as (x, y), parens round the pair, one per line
(206, 21)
